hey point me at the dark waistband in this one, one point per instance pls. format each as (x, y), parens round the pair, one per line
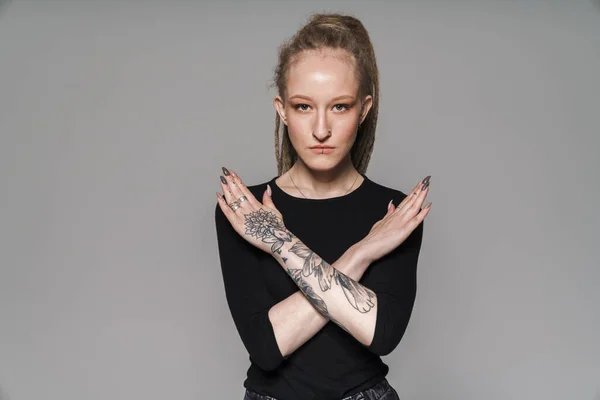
(374, 392)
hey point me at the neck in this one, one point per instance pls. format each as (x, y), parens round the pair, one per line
(324, 184)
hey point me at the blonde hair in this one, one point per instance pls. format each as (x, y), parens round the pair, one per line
(334, 31)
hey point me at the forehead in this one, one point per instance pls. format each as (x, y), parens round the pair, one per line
(322, 73)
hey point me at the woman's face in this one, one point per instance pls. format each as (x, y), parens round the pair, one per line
(321, 108)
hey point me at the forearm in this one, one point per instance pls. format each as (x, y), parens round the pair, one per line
(334, 294)
(295, 319)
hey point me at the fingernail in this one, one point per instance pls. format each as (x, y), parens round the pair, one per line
(427, 205)
(269, 190)
(225, 171)
(219, 195)
(223, 180)
(426, 182)
(390, 204)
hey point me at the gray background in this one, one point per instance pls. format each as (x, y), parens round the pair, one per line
(116, 116)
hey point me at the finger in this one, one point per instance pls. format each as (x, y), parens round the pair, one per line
(388, 215)
(239, 189)
(414, 222)
(234, 188)
(411, 195)
(390, 208)
(415, 207)
(244, 190)
(268, 201)
(227, 193)
(420, 216)
(408, 200)
(415, 201)
(229, 213)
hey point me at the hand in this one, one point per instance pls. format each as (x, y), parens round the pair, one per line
(397, 224)
(260, 224)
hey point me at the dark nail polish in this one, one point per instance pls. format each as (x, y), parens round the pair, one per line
(225, 171)
(223, 180)
(426, 182)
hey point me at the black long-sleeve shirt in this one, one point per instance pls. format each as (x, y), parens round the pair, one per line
(332, 364)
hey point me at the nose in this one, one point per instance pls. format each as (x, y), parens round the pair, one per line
(321, 130)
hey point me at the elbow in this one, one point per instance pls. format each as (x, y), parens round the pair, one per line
(392, 321)
(387, 342)
(265, 353)
(261, 344)
(266, 362)
(383, 349)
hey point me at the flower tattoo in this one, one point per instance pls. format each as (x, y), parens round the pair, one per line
(267, 227)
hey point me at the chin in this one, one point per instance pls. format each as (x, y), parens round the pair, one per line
(321, 163)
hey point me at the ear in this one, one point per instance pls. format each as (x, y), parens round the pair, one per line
(366, 107)
(280, 108)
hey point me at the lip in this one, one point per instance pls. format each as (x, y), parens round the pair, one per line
(322, 149)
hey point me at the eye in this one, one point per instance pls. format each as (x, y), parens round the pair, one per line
(341, 107)
(302, 107)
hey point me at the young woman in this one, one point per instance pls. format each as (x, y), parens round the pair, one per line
(319, 277)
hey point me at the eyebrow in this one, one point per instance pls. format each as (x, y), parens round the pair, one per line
(299, 96)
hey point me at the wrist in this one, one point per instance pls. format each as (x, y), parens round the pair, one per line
(363, 252)
(278, 242)
(357, 261)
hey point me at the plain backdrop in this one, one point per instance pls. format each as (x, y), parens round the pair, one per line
(115, 120)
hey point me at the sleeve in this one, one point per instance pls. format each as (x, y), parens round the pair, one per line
(393, 278)
(247, 296)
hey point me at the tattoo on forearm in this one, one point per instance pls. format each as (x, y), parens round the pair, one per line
(268, 227)
(312, 297)
(360, 297)
(315, 299)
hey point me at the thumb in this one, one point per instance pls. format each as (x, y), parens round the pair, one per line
(267, 200)
(390, 208)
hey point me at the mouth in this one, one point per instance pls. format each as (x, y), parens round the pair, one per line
(322, 149)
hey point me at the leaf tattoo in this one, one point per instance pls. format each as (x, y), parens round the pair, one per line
(268, 227)
(315, 299)
(359, 297)
(313, 264)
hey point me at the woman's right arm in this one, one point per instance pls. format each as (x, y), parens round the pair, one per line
(247, 296)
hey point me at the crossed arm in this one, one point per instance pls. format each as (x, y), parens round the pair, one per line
(327, 293)
(272, 330)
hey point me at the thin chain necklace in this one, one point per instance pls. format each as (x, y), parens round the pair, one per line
(355, 179)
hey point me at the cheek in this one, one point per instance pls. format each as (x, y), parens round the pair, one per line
(345, 129)
(297, 128)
